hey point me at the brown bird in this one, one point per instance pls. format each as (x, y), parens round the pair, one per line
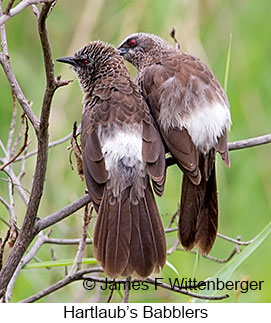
(192, 113)
(122, 150)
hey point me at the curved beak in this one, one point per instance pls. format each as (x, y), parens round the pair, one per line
(67, 60)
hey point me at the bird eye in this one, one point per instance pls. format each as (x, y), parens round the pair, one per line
(132, 42)
(84, 62)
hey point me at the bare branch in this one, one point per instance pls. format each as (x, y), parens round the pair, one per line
(4, 202)
(20, 7)
(171, 230)
(221, 261)
(25, 144)
(172, 35)
(13, 219)
(65, 281)
(252, 142)
(4, 221)
(35, 10)
(127, 290)
(25, 260)
(236, 241)
(51, 145)
(12, 124)
(62, 214)
(27, 232)
(9, 6)
(17, 184)
(235, 145)
(5, 62)
(111, 294)
(81, 247)
(80, 275)
(173, 248)
(2, 247)
(172, 219)
(67, 242)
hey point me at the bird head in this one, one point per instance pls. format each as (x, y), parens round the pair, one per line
(91, 60)
(141, 49)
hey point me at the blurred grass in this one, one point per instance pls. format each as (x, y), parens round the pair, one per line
(203, 29)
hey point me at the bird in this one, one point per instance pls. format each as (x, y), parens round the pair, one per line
(192, 112)
(122, 153)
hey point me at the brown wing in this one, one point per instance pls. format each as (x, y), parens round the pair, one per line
(153, 153)
(178, 141)
(93, 161)
(124, 106)
(178, 78)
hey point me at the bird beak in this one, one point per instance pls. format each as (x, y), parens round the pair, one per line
(123, 50)
(67, 60)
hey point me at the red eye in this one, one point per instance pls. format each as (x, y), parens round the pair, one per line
(84, 62)
(132, 42)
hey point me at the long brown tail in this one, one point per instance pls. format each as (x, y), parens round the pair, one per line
(199, 209)
(129, 238)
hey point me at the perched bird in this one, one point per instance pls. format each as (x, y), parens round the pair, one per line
(122, 151)
(192, 113)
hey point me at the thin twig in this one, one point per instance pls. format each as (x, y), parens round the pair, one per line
(62, 213)
(4, 221)
(127, 290)
(65, 281)
(171, 230)
(236, 241)
(111, 293)
(173, 248)
(16, 89)
(51, 144)
(252, 142)
(14, 184)
(20, 7)
(221, 261)
(20, 134)
(81, 247)
(236, 145)
(12, 124)
(2, 247)
(9, 6)
(25, 144)
(172, 35)
(17, 184)
(25, 260)
(67, 242)
(4, 202)
(172, 219)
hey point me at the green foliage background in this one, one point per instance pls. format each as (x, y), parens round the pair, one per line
(203, 29)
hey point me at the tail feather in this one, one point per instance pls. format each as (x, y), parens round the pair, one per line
(207, 220)
(189, 209)
(129, 238)
(199, 210)
(112, 234)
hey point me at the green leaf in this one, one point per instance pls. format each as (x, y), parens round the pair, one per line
(226, 77)
(226, 272)
(58, 263)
